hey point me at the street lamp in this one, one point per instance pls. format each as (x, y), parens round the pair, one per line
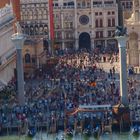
(18, 41)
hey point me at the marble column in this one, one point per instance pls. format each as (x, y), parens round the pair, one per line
(123, 69)
(18, 40)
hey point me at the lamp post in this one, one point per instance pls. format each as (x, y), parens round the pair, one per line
(18, 41)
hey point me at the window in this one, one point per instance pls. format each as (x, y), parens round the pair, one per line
(108, 2)
(33, 60)
(101, 23)
(71, 4)
(88, 4)
(58, 35)
(100, 13)
(64, 4)
(113, 22)
(56, 4)
(99, 34)
(79, 5)
(97, 3)
(83, 3)
(27, 58)
(109, 34)
(45, 44)
(71, 24)
(66, 25)
(96, 23)
(96, 13)
(67, 35)
(109, 23)
(113, 13)
(108, 12)
(57, 26)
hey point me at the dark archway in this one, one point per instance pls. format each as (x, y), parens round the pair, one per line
(27, 58)
(84, 41)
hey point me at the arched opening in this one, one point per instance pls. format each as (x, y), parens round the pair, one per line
(27, 58)
(84, 41)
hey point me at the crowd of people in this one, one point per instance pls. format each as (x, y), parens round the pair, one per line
(77, 79)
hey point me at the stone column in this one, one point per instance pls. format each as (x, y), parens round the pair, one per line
(123, 69)
(75, 23)
(18, 40)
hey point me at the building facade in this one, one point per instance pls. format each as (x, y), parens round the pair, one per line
(78, 24)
